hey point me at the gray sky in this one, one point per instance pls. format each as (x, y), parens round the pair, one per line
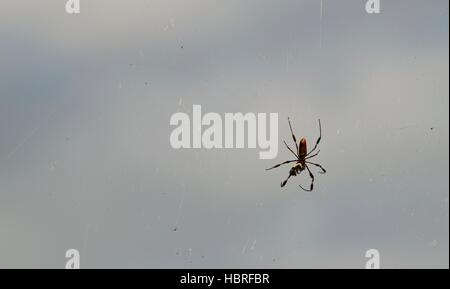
(86, 163)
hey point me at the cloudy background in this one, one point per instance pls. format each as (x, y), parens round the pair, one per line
(86, 163)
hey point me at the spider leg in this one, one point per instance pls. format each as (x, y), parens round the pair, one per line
(293, 136)
(283, 163)
(318, 140)
(310, 157)
(291, 150)
(283, 183)
(312, 181)
(319, 166)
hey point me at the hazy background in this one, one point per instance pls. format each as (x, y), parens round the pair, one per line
(85, 158)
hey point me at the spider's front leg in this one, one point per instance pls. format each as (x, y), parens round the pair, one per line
(283, 183)
(292, 173)
(312, 181)
(283, 163)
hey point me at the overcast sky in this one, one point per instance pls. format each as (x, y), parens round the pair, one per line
(86, 161)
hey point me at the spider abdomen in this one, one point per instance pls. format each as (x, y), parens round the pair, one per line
(302, 148)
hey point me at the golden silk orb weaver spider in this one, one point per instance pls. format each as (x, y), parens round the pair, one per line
(302, 158)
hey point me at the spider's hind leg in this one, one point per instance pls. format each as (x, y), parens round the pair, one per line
(323, 171)
(318, 140)
(293, 136)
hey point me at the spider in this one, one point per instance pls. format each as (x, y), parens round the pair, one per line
(302, 158)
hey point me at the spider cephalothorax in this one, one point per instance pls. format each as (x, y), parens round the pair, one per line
(302, 156)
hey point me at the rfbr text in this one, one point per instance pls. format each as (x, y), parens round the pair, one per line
(232, 278)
